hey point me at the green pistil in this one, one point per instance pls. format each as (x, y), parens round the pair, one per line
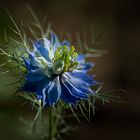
(64, 59)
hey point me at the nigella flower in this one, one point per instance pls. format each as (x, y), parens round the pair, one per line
(56, 72)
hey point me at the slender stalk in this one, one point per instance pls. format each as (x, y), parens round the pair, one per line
(51, 136)
(54, 119)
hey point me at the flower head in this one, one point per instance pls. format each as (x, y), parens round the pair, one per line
(56, 72)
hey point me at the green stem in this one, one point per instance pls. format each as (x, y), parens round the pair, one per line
(50, 124)
(53, 123)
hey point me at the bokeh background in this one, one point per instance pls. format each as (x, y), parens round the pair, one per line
(117, 30)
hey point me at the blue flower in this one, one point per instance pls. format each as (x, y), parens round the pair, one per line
(56, 72)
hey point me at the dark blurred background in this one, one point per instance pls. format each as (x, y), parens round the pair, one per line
(117, 30)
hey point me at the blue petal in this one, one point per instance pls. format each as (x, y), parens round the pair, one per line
(28, 87)
(54, 41)
(80, 58)
(29, 65)
(65, 42)
(78, 89)
(82, 77)
(43, 47)
(36, 76)
(54, 38)
(85, 67)
(41, 92)
(67, 97)
(34, 60)
(54, 91)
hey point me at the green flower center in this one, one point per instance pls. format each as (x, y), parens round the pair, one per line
(64, 59)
